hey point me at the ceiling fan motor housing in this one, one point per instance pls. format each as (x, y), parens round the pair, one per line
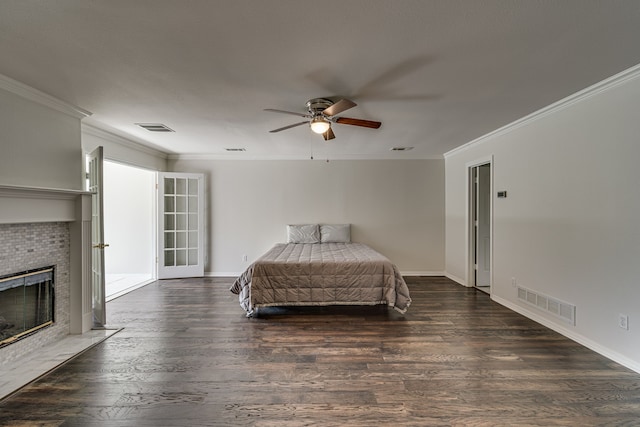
(317, 105)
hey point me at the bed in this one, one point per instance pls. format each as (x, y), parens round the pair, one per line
(318, 271)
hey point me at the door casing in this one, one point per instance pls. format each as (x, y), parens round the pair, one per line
(471, 208)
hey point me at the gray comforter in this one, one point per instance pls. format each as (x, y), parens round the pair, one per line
(321, 274)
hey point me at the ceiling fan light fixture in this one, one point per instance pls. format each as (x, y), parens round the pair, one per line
(319, 125)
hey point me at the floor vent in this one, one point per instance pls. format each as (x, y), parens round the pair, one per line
(563, 310)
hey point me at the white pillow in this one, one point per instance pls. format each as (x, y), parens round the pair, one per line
(335, 233)
(303, 233)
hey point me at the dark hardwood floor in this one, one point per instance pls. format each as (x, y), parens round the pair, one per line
(189, 357)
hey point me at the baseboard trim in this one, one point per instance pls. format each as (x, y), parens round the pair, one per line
(580, 339)
(456, 279)
(422, 273)
(130, 289)
(221, 274)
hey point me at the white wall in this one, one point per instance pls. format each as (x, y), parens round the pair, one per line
(129, 209)
(39, 145)
(397, 207)
(569, 227)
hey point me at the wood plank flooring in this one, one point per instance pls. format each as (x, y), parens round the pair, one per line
(189, 357)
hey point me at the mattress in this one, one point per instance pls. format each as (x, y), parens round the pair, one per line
(312, 274)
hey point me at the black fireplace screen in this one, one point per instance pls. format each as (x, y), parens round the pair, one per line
(26, 303)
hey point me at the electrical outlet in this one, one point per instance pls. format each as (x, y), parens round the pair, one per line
(245, 258)
(514, 282)
(623, 321)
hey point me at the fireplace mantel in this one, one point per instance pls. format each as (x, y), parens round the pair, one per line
(33, 204)
(30, 205)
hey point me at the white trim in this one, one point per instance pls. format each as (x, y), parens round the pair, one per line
(580, 339)
(456, 279)
(127, 143)
(221, 274)
(40, 192)
(593, 90)
(130, 289)
(422, 273)
(247, 155)
(479, 162)
(32, 94)
(486, 160)
(20, 205)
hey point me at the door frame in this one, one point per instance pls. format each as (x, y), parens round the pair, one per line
(469, 228)
(153, 245)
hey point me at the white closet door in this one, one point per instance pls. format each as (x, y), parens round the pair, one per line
(483, 225)
(181, 225)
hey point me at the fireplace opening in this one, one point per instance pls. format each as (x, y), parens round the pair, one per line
(26, 303)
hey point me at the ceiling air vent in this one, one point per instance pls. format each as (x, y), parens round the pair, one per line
(401, 148)
(155, 127)
(235, 149)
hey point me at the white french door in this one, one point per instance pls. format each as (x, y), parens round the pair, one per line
(181, 226)
(95, 186)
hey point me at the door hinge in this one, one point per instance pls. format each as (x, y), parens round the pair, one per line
(475, 266)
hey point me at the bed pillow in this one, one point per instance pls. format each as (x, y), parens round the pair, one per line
(303, 233)
(335, 233)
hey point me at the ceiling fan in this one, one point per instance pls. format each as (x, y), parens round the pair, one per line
(322, 113)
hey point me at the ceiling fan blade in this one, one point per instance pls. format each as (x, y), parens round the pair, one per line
(343, 105)
(328, 135)
(289, 127)
(358, 122)
(289, 112)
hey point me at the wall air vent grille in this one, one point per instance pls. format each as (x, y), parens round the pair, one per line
(155, 127)
(401, 148)
(235, 149)
(563, 310)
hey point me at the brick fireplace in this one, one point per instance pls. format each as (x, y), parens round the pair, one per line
(48, 228)
(25, 247)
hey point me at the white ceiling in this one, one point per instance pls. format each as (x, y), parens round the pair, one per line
(437, 73)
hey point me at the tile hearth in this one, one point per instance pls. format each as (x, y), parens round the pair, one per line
(16, 374)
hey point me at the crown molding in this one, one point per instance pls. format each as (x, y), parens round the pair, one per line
(319, 157)
(593, 90)
(27, 92)
(124, 142)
